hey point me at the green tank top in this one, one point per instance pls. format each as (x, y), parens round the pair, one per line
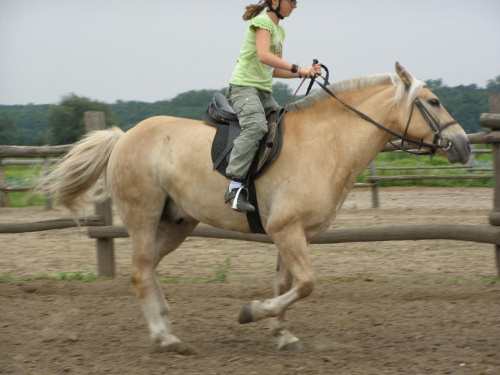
(249, 71)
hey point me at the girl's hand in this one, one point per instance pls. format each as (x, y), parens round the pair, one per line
(317, 68)
(310, 71)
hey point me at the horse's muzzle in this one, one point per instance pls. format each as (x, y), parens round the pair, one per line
(457, 148)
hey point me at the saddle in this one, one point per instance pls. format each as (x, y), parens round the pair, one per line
(222, 116)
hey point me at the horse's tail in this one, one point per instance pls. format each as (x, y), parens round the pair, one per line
(72, 181)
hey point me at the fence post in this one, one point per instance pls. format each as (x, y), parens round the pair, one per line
(46, 171)
(94, 120)
(4, 202)
(495, 108)
(373, 172)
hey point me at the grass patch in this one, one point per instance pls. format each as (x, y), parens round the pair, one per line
(453, 281)
(403, 160)
(25, 200)
(222, 272)
(78, 275)
(220, 276)
(21, 176)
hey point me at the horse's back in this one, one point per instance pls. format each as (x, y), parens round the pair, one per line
(172, 128)
(166, 156)
(158, 137)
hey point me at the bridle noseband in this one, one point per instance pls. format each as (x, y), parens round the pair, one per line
(434, 125)
(437, 142)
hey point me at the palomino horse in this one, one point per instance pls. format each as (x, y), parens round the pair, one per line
(159, 174)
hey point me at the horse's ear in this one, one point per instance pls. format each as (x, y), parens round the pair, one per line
(403, 74)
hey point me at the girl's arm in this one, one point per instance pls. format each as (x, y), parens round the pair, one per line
(282, 68)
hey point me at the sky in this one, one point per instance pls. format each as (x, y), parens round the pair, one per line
(151, 50)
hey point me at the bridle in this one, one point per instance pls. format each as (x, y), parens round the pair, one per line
(437, 143)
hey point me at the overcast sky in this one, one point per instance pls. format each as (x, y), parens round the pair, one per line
(150, 50)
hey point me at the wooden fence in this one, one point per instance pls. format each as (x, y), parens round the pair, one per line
(5, 188)
(101, 228)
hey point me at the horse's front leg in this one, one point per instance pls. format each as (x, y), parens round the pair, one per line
(293, 248)
(282, 284)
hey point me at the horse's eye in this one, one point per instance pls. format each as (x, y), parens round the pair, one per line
(434, 102)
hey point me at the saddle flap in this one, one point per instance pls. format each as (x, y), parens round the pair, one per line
(270, 146)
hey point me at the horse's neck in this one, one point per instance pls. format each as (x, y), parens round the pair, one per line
(338, 140)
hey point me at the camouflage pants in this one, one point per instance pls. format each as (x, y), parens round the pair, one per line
(250, 105)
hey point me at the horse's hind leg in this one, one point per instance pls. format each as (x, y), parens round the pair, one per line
(150, 246)
(282, 284)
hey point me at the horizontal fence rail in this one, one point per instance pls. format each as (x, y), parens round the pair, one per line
(472, 233)
(38, 226)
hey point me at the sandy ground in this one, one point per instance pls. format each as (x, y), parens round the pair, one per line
(426, 307)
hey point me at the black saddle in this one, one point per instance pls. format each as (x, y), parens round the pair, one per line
(221, 115)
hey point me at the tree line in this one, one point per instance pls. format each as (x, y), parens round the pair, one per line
(35, 125)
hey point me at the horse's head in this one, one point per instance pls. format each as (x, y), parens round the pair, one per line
(428, 121)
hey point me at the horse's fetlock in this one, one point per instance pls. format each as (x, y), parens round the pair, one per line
(276, 326)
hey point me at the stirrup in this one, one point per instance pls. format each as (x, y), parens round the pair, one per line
(245, 205)
(234, 206)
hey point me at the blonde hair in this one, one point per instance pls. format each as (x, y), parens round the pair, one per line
(254, 10)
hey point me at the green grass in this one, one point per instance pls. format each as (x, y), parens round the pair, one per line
(23, 175)
(25, 200)
(453, 281)
(392, 159)
(78, 275)
(220, 275)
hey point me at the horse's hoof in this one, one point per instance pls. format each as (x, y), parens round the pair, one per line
(292, 346)
(245, 315)
(177, 347)
(172, 344)
(289, 342)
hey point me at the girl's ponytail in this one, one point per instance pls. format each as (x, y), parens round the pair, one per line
(254, 10)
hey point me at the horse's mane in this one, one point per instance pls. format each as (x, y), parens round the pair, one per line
(357, 83)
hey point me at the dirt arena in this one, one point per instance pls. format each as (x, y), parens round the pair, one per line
(426, 307)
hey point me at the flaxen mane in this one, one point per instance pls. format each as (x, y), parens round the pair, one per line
(357, 83)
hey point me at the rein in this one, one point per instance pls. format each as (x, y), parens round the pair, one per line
(431, 121)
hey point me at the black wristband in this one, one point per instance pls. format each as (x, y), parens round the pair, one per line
(295, 68)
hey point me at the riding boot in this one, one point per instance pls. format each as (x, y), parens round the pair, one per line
(239, 200)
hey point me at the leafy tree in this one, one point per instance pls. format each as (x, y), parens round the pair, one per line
(31, 122)
(8, 130)
(464, 103)
(66, 120)
(434, 84)
(493, 85)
